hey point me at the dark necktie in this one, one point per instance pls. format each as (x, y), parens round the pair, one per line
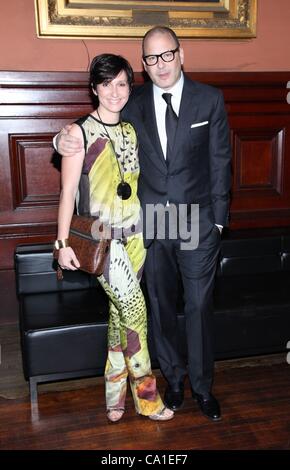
(171, 121)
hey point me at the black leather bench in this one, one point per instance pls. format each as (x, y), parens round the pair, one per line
(63, 325)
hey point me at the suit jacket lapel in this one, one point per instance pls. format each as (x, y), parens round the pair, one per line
(189, 107)
(150, 127)
(188, 110)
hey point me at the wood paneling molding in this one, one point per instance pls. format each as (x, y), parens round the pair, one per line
(35, 105)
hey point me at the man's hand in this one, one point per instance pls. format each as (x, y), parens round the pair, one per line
(68, 145)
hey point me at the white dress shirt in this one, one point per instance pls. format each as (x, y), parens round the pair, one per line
(161, 106)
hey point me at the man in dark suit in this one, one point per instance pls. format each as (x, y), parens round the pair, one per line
(184, 155)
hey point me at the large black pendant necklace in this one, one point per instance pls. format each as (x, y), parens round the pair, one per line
(124, 190)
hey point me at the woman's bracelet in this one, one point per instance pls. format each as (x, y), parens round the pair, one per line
(63, 243)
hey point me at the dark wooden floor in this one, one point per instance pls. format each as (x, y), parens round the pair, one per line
(255, 402)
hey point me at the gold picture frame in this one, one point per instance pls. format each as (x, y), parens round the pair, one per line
(91, 19)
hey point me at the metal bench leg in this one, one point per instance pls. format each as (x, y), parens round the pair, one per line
(33, 398)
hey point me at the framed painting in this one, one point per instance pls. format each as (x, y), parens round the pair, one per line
(131, 19)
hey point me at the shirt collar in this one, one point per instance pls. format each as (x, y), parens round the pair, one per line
(176, 90)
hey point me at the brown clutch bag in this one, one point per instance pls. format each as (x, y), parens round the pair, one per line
(91, 251)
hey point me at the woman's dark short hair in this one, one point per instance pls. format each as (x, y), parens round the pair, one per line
(105, 67)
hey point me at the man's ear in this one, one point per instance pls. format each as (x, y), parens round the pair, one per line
(181, 54)
(144, 65)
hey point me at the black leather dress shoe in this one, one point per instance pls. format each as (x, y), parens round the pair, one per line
(209, 406)
(174, 399)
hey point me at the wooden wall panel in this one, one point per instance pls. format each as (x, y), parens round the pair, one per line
(261, 170)
(257, 161)
(34, 106)
(34, 177)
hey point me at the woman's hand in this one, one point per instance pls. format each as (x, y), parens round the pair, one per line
(67, 259)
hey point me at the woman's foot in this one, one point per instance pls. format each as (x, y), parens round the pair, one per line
(115, 415)
(164, 415)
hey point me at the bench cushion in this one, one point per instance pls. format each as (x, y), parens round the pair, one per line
(64, 324)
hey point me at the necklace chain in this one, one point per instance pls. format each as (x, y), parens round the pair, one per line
(112, 145)
(124, 190)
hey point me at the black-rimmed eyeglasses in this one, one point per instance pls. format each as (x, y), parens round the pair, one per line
(166, 56)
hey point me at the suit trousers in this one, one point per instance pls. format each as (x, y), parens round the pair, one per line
(165, 265)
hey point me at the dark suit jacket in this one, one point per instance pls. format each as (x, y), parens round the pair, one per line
(199, 172)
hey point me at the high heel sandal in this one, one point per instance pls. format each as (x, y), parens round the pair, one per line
(115, 414)
(164, 415)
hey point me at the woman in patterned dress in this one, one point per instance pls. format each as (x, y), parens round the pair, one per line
(102, 179)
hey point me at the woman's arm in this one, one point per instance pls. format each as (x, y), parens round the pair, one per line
(71, 168)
